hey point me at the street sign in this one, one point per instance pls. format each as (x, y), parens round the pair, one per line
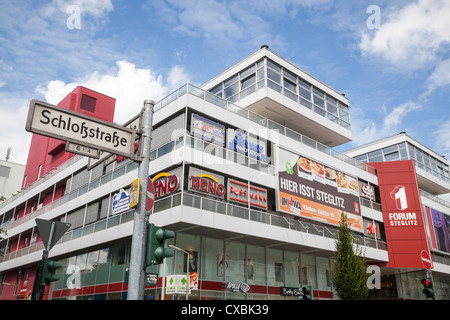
(426, 260)
(121, 202)
(63, 124)
(134, 193)
(150, 195)
(107, 157)
(51, 231)
(83, 150)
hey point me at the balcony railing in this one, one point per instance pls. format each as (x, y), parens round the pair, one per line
(266, 217)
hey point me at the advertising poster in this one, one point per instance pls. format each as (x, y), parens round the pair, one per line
(441, 230)
(310, 189)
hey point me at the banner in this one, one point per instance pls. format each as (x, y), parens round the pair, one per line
(310, 189)
(404, 222)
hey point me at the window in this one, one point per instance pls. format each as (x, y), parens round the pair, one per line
(392, 156)
(88, 103)
(289, 85)
(248, 81)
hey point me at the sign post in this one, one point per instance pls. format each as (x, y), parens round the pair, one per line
(51, 232)
(138, 242)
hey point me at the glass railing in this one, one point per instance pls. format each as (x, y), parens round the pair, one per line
(260, 120)
(266, 217)
(434, 198)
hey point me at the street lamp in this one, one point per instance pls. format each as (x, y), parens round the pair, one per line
(187, 268)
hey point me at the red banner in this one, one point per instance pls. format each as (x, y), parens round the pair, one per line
(402, 214)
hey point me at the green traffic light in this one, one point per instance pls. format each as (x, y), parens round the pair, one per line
(156, 252)
(47, 272)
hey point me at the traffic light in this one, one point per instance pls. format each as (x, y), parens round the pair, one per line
(307, 293)
(428, 288)
(156, 252)
(47, 271)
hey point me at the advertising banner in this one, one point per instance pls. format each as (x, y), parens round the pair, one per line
(439, 230)
(403, 218)
(242, 192)
(206, 182)
(247, 144)
(310, 189)
(208, 130)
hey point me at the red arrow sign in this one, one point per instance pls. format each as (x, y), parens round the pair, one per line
(150, 195)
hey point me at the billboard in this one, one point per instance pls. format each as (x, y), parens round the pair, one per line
(243, 192)
(403, 218)
(310, 189)
(439, 229)
(208, 130)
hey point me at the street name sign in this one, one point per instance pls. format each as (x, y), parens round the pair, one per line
(107, 157)
(63, 124)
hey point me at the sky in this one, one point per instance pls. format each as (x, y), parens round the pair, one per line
(390, 58)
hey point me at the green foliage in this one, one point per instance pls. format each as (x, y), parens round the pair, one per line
(350, 274)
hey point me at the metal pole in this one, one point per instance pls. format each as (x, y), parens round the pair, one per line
(138, 242)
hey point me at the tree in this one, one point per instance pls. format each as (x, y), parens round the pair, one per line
(350, 274)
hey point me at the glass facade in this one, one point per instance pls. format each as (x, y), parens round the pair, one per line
(100, 274)
(407, 151)
(266, 73)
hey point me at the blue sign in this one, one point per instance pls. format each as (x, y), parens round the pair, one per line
(121, 202)
(240, 143)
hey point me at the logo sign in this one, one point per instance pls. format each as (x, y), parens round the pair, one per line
(208, 130)
(206, 182)
(404, 223)
(176, 284)
(290, 292)
(63, 124)
(121, 202)
(243, 193)
(236, 287)
(241, 142)
(165, 183)
(367, 191)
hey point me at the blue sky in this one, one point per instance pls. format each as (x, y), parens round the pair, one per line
(395, 70)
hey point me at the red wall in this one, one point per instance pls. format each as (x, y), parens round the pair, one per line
(403, 217)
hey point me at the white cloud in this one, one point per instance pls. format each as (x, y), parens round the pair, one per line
(442, 141)
(411, 36)
(366, 129)
(129, 85)
(13, 111)
(439, 78)
(393, 119)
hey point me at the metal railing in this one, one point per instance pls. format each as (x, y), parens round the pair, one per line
(266, 217)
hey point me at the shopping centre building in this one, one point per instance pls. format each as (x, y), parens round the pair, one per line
(246, 175)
